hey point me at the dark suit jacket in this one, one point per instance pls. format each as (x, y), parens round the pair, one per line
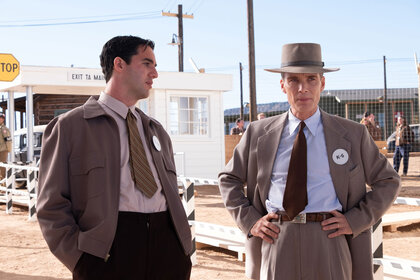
(79, 181)
(252, 164)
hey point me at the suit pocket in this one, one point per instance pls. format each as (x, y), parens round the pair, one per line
(87, 174)
(355, 170)
(169, 166)
(170, 173)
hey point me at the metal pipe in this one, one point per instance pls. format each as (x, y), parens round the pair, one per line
(11, 122)
(29, 123)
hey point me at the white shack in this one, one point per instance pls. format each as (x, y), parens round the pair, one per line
(189, 106)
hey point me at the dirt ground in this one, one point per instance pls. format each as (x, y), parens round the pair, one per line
(24, 254)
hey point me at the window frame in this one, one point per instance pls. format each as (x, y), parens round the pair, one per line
(189, 96)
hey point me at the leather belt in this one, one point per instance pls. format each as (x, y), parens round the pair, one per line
(305, 217)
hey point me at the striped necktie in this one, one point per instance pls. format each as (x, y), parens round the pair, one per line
(295, 195)
(140, 169)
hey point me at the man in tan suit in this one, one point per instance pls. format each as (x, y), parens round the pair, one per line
(108, 202)
(329, 237)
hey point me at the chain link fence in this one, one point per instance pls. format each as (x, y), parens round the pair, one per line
(384, 105)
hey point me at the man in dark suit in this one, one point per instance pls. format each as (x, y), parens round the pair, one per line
(309, 219)
(108, 202)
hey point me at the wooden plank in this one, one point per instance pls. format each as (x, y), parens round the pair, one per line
(390, 222)
(229, 238)
(230, 143)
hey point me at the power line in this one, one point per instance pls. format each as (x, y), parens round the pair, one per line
(195, 6)
(151, 15)
(82, 17)
(169, 5)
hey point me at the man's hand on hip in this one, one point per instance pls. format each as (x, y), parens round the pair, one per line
(338, 222)
(266, 230)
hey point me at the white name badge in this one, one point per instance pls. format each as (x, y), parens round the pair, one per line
(156, 143)
(340, 156)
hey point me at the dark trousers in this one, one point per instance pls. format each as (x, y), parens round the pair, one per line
(401, 151)
(146, 247)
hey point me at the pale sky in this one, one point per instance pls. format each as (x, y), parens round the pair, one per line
(354, 36)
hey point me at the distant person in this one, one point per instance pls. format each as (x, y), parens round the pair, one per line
(261, 116)
(404, 136)
(108, 202)
(296, 184)
(374, 129)
(5, 144)
(239, 129)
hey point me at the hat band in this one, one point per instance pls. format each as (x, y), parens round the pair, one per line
(303, 63)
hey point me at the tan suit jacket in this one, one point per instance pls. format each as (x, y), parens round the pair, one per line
(252, 164)
(79, 182)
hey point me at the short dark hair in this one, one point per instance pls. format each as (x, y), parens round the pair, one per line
(283, 75)
(238, 120)
(367, 114)
(121, 46)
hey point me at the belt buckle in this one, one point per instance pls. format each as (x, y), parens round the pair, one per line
(299, 219)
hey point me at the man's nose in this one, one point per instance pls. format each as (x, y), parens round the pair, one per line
(154, 74)
(302, 87)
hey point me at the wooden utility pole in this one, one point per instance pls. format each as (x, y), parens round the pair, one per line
(180, 36)
(242, 95)
(385, 102)
(251, 57)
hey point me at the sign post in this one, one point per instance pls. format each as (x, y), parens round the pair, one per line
(9, 67)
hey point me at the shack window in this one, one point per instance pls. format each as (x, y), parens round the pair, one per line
(188, 115)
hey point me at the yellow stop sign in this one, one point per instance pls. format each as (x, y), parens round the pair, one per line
(9, 67)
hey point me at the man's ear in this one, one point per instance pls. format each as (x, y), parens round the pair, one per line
(282, 86)
(119, 64)
(322, 83)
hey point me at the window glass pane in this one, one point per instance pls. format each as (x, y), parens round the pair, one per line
(196, 128)
(203, 129)
(183, 102)
(183, 116)
(183, 128)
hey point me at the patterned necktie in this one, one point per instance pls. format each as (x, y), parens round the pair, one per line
(140, 169)
(295, 196)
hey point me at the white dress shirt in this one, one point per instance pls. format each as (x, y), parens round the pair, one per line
(132, 199)
(321, 192)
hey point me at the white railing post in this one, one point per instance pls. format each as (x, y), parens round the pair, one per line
(10, 175)
(377, 250)
(31, 186)
(189, 206)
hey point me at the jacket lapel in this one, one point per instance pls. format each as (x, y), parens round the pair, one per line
(267, 145)
(335, 139)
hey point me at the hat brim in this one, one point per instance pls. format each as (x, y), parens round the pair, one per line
(302, 69)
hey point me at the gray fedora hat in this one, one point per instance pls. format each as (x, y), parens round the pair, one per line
(301, 58)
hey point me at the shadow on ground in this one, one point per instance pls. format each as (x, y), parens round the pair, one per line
(14, 276)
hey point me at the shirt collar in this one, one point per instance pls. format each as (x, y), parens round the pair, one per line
(116, 105)
(311, 123)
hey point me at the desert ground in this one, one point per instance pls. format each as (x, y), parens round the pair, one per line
(24, 254)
